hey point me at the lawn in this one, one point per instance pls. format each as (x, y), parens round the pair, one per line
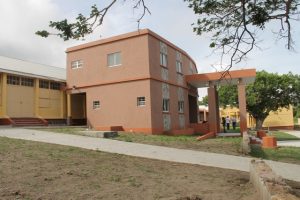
(281, 136)
(223, 145)
(32, 170)
(230, 145)
(282, 154)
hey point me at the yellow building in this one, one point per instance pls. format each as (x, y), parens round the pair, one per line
(283, 118)
(31, 93)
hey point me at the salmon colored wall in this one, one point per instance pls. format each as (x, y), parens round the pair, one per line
(134, 58)
(118, 87)
(118, 105)
(156, 86)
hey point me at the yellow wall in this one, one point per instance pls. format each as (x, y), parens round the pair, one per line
(51, 104)
(20, 101)
(282, 117)
(23, 101)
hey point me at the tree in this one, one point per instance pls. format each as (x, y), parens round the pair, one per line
(228, 95)
(235, 24)
(269, 92)
(204, 101)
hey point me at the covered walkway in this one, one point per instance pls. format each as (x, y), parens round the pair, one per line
(212, 80)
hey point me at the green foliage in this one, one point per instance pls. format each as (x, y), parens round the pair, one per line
(234, 24)
(269, 92)
(204, 101)
(228, 96)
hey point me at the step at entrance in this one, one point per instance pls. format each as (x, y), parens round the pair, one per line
(29, 122)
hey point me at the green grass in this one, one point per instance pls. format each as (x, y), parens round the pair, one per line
(282, 136)
(225, 145)
(283, 154)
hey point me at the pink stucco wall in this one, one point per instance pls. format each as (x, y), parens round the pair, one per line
(117, 88)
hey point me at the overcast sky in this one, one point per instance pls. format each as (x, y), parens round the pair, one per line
(172, 19)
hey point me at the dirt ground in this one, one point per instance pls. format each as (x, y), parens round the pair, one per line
(31, 170)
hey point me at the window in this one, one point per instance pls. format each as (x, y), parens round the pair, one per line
(114, 59)
(44, 84)
(163, 54)
(76, 64)
(13, 80)
(163, 59)
(141, 101)
(54, 86)
(27, 82)
(179, 66)
(96, 105)
(180, 106)
(166, 105)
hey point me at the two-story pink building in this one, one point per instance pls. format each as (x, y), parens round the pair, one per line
(132, 82)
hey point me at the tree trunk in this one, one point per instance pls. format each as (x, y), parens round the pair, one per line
(259, 123)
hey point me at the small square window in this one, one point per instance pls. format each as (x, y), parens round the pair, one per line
(114, 59)
(141, 101)
(76, 64)
(44, 84)
(13, 80)
(54, 86)
(166, 105)
(96, 105)
(27, 82)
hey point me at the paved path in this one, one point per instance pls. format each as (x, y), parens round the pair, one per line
(288, 171)
(291, 143)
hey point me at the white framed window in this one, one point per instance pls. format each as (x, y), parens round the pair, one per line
(114, 59)
(141, 101)
(96, 105)
(163, 54)
(180, 106)
(163, 59)
(179, 66)
(76, 64)
(166, 105)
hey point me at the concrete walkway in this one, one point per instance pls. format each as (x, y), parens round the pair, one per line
(288, 171)
(290, 143)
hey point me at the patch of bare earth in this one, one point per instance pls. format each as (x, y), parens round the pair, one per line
(31, 170)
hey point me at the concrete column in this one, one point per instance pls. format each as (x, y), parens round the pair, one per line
(242, 105)
(4, 95)
(36, 97)
(62, 105)
(69, 113)
(213, 108)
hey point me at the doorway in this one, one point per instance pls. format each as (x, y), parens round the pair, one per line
(78, 109)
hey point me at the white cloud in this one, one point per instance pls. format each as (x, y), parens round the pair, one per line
(171, 19)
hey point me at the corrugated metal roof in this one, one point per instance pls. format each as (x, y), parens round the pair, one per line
(26, 68)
